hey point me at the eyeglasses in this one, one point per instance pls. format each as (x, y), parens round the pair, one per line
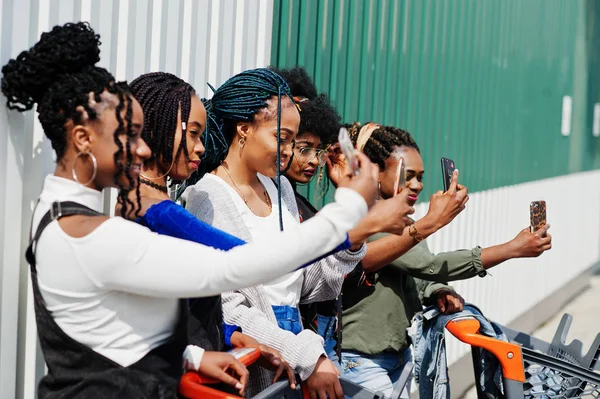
(309, 153)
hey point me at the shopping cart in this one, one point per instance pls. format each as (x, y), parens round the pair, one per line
(532, 368)
(194, 386)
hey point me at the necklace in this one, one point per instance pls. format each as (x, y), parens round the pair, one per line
(266, 196)
(154, 185)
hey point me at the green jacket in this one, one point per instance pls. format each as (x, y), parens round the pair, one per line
(376, 313)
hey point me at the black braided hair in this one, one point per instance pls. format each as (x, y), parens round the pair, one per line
(58, 74)
(383, 142)
(161, 96)
(244, 96)
(299, 81)
(240, 99)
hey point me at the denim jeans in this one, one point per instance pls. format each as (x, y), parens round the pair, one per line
(288, 318)
(326, 329)
(431, 370)
(378, 373)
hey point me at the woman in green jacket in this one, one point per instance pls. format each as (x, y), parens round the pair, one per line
(381, 295)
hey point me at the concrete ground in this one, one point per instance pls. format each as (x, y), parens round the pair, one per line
(585, 310)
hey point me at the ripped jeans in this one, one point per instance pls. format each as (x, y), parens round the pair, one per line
(378, 373)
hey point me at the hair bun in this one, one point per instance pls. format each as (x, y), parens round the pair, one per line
(66, 49)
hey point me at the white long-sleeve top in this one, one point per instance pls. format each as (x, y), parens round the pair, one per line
(250, 308)
(285, 290)
(116, 289)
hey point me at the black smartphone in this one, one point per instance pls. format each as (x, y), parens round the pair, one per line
(448, 168)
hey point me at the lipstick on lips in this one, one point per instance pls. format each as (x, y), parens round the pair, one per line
(195, 164)
(309, 172)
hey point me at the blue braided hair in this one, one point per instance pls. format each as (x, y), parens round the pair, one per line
(239, 99)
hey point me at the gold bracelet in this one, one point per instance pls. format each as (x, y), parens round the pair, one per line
(414, 233)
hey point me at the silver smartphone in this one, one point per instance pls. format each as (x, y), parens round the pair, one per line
(349, 151)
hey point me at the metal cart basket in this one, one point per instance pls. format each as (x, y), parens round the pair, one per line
(533, 368)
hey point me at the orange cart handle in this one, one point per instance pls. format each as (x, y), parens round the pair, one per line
(193, 385)
(509, 355)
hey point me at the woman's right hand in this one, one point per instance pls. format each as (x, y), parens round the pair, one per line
(444, 207)
(220, 366)
(365, 183)
(336, 164)
(391, 215)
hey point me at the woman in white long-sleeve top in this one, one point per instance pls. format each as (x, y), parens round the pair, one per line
(241, 196)
(106, 290)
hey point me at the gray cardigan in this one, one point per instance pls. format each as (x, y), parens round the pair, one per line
(249, 308)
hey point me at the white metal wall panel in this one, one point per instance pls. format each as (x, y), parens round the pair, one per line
(199, 40)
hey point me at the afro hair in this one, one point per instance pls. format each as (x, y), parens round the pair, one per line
(300, 83)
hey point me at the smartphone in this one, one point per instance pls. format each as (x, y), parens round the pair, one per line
(537, 215)
(400, 181)
(246, 356)
(448, 169)
(348, 150)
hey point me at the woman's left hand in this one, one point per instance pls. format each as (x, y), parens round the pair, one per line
(270, 358)
(336, 164)
(531, 245)
(449, 302)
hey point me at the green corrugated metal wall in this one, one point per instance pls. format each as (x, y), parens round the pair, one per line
(479, 81)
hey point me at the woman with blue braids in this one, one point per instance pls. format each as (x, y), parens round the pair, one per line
(259, 120)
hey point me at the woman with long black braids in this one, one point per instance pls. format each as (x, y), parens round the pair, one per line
(108, 313)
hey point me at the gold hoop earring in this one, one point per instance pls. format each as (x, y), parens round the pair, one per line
(242, 142)
(94, 162)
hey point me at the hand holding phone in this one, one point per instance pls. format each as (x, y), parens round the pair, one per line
(349, 151)
(448, 168)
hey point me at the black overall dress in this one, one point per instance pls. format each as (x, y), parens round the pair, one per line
(77, 371)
